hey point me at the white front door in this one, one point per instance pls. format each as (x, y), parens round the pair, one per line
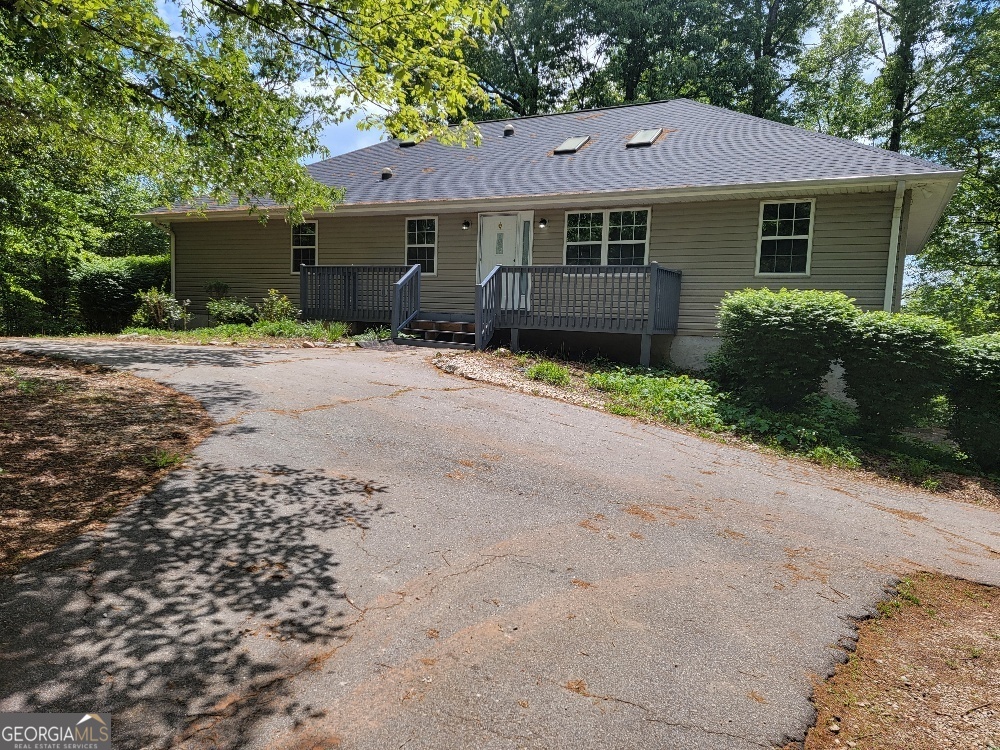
(505, 240)
(499, 242)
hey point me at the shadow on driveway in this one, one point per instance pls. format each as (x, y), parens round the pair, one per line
(139, 354)
(217, 586)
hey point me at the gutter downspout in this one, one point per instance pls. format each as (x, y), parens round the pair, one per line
(173, 260)
(890, 273)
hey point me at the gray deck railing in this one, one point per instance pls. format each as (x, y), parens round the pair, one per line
(608, 299)
(351, 293)
(405, 299)
(488, 307)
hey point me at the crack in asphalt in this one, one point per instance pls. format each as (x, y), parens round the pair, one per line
(580, 688)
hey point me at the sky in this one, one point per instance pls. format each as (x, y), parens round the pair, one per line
(345, 137)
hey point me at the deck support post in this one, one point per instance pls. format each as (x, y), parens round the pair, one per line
(644, 351)
(515, 345)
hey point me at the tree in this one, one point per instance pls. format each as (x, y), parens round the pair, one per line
(907, 29)
(99, 96)
(831, 91)
(958, 274)
(232, 105)
(763, 43)
(649, 49)
(530, 61)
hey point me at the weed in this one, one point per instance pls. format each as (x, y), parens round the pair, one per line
(28, 386)
(840, 456)
(675, 398)
(373, 334)
(548, 372)
(164, 460)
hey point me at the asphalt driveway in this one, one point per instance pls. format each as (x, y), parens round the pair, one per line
(369, 553)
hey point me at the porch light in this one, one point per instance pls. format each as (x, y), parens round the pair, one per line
(542, 223)
(466, 224)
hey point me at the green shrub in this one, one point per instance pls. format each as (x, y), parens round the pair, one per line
(777, 346)
(894, 366)
(217, 289)
(230, 310)
(548, 372)
(816, 421)
(975, 396)
(276, 307)
(159, 310)
(106, 288)
(679, 399)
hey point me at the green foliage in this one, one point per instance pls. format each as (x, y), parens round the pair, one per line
(276, 308)
(958, 274)
(894, 366)
(107, 288)
(777, 346)
(164, 460)
(230, 310)
(975, 396)
(379, 333)
(830, 91)
(526, 62)
(241, 332)
(157, 309)
(817, 421)
(217, 289)
(679, 399)
(548, 372)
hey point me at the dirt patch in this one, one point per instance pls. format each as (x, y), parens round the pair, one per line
(926, 673)
(77, 444)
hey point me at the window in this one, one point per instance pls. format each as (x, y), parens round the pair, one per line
(571, 145)
(303, 245)
(644, 138)
(421, 243)
(609, 238)
(785, 237)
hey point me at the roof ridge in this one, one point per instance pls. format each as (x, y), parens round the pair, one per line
(826, 136)
(518, 118)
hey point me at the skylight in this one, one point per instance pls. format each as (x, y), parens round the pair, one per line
(644, 138)
(572, 145)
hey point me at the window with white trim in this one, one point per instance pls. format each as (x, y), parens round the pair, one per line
(421, 243)
(607, 238)
(785, 237)
(303, 245)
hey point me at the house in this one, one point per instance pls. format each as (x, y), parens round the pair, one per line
(615, 229)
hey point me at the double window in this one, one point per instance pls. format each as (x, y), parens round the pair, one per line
(607, 238)
(421, 243)
(785, 237)
(303, 245)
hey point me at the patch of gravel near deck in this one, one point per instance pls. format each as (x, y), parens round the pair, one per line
(502, 369)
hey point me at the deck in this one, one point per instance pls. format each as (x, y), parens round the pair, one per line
(637, 300)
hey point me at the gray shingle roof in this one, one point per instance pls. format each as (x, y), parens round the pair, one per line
(701, 147)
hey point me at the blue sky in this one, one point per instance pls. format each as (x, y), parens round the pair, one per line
(346, 137)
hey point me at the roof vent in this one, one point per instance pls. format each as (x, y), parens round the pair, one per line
(386, 173)
(644, 138)
(408, 143)
(508, 130)
(572, 145)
